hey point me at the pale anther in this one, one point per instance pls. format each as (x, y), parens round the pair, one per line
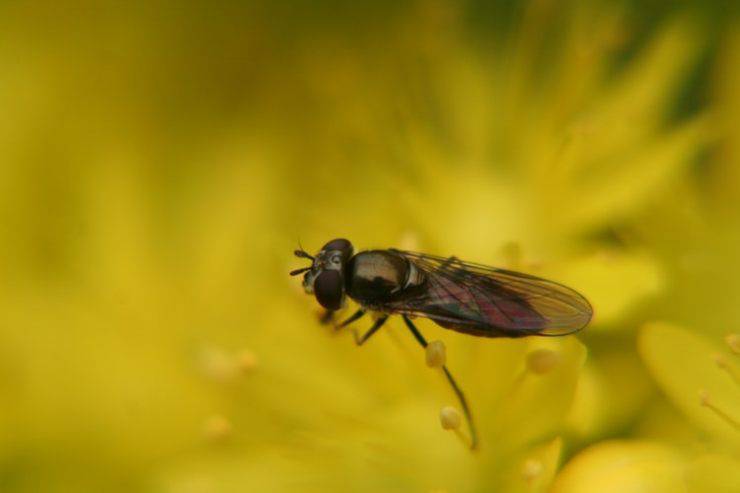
(450, 418)
(541, 361)
(436, 354)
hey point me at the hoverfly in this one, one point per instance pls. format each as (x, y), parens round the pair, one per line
(466, 297)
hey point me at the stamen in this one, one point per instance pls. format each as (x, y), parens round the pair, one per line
(217, 364)
(225, 367)
(724, 365)
(733, 340)
(705, 399)
(246, 361)
(450, 419)
(531, 469)
(436, 354)
(409, 241)
(541, 361)
(217, 428)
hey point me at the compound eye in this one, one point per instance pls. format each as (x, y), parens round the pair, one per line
(344, 246)
(329, 289)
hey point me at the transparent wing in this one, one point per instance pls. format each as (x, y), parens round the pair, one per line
(491, 302)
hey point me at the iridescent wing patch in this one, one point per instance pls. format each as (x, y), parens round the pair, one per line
(490, 302)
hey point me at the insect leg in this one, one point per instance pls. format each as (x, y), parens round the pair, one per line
(456, 388)
(360, 340)
(359, 313)
(327, 317)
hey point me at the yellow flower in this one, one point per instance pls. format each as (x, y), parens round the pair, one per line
(701, 378)
(698, 379)
(158, 170)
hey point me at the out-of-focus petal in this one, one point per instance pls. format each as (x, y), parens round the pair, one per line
(613, 282)
(612, 391)
(538, 402)
(685, 365)
(623, 467)
(713, 473)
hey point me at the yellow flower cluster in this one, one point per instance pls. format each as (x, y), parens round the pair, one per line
(161, 161)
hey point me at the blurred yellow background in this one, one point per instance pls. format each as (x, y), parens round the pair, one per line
(160, 161)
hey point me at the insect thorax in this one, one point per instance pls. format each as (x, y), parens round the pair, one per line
(378, 275)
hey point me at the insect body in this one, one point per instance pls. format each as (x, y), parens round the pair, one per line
(376, 278)
(462, 296)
